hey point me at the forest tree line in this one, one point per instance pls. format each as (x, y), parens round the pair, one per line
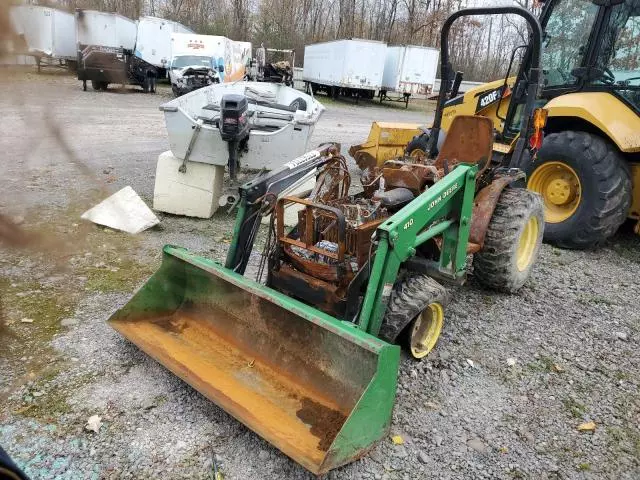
(480, 47)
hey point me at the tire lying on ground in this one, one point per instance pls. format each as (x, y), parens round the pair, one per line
(585, 184)
(415, 314)
(512, 242)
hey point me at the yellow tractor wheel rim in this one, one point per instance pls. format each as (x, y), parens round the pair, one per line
(426, 330)
(527, 244)
(417, 153)
(560, 188)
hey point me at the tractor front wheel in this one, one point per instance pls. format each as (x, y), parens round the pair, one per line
(512, 242)
(415, 314)
(585, 185)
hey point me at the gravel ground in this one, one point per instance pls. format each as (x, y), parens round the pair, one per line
(501, 396)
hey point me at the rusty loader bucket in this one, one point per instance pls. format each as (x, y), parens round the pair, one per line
(317, 388)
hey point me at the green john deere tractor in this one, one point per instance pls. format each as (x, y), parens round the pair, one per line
(309, 359)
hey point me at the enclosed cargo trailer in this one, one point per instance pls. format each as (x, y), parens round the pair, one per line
(46, 34)
(153, 41)
(345, 67)
(106, 45)
(409, 70)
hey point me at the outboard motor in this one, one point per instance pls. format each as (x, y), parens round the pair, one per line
(234, 127)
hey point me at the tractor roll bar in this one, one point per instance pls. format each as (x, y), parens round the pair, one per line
(446, 70)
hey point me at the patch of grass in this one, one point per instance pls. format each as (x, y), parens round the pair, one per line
(544, 363)
(575, 408)
(53, 403)
(625, 439)
(620, 375)
(44, 305)
(584, 467)
(415, 104)
(125, 276)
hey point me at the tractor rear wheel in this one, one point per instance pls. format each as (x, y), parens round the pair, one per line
(586, 187)
(512, 242)
(415, 314)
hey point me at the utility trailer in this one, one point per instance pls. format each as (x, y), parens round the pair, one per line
(349, 68)
(408, 70)
(46, 34)
(153, 41)
(106, 52)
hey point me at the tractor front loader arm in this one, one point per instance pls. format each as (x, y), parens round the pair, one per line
(260, 195)
(444, 209)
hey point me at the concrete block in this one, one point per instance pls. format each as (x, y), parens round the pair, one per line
(194, 193)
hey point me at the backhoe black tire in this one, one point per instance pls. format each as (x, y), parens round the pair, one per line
(512, 242)
(412, 295)
(96, 85)
(419, 143)
(605, 184)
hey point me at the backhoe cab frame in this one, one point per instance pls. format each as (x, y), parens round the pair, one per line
(528, 84)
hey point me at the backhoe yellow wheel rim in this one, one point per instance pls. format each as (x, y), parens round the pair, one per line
(560, 188)
(527, 244)
(417, 153)
(426, 330)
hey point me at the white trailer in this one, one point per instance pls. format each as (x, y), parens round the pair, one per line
(106, 44)
(345, 67)
(47, 34)
(153, 41)
(409, 70)
(105, 29)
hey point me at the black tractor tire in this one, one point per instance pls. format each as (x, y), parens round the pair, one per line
(605, 182)
(146, 85)
(152, 84)
(96, 85)
(412, 294)
(516, 226)
(299, 103)
(418, 144)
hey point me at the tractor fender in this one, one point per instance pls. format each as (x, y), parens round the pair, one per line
(604, 111)
(485, 203)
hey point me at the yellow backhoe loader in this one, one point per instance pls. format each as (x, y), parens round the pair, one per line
(587, 168)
